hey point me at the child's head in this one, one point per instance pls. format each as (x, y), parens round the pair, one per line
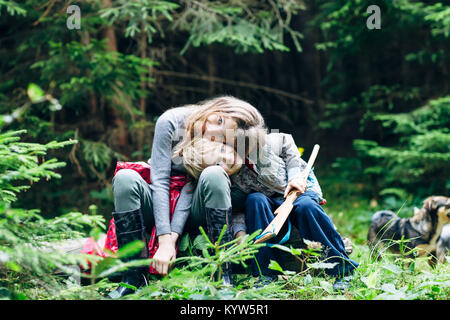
(223, 118)
(202, 153)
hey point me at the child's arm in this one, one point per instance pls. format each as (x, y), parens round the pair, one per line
(295, 166)
(238, 224)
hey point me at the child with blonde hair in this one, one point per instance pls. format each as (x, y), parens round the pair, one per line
(140, 205)
(276, 171)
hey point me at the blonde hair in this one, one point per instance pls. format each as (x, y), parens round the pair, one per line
(250, 123)
(195, 151)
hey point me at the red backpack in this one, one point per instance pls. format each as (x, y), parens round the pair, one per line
(143, 168)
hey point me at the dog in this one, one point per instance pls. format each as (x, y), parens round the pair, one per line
(443, 246)
(421, 231)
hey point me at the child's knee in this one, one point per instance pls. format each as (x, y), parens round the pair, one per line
(256, 208)
(254, 198)
(215, 187)
(124, 181)
(214, 177)
(307, 207)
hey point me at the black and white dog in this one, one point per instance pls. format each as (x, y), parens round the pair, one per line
(422, 231)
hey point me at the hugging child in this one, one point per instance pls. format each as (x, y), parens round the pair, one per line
(277, 168)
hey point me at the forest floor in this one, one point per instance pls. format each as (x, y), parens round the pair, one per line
(391, 277)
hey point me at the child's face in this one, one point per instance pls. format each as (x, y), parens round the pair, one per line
(224, 156)
(217, 128)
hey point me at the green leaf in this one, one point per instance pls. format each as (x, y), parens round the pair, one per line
(129, 286)
(13, 266)
(130, 249)
(392, 268)
(371, 280)
(273, 265)
(184, 242)
(322, 265)
(283, 248)
(4, 293)
(200, 242)
(389, 287)
(35, 93)
(103, 265)
(328, 287)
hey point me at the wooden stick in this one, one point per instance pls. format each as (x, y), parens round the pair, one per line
(283, 211)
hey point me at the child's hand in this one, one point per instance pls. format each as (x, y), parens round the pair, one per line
(165, 254)
(240, 235)
(298, 184)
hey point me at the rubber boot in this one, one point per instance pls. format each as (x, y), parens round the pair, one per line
(215, 220)
(129, 228)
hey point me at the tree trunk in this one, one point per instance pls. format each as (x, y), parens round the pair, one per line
(142, 101)
(120, 135)
(86, 39)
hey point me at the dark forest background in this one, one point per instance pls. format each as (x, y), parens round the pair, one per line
(376, 100)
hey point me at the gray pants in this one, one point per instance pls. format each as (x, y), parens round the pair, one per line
(212, 190)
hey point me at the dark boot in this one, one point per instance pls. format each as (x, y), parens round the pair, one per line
(215, 220)
(129, 228)
(342, 284)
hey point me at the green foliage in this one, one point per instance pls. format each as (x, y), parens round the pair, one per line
(103, 81)
(98, 157)
(248, 26)
(143, 16)
(232, 252)
(27, 253)
(437, 15)
(368, 105)
(20, 161)
(92, 69)
(400, 125)
(394, 277)
(12, 8)
(384, 90)
(309, 258)
(421, 153)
